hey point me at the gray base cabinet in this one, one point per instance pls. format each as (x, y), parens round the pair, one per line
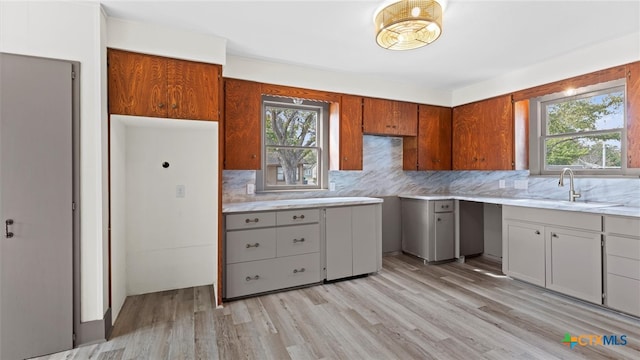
(560, 250)
(428, 228)
(273, 250)
(622, 263)
(353, 241)
(267, 251)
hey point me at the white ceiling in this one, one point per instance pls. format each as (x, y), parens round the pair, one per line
(481, 39)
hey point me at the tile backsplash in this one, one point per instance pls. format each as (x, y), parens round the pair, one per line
(382, 175)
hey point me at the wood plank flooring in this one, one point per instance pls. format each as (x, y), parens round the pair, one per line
(407, 311)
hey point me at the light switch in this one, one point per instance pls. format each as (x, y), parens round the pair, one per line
(180, 191)
(332, 186)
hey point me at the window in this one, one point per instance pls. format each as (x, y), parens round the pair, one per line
(584, 131)
(293, 142)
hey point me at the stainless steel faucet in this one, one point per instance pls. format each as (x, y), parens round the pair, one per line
(572, 194)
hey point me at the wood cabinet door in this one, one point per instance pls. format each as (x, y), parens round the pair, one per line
(193, 90)
(242, 130)
(350, 132)
(434, 138)
(483, 135)
(137, 84)
(378, 117)
(405, 118)
(633, 115)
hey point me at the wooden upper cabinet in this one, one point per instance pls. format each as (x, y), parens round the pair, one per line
(147, 85)
(193, 90)
(242, 126)
(431, 149)
(137, 84)
(350, 133)
(388, 117)
(633, 115)
(483, 135)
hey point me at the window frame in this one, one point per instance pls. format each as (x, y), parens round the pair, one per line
(322, 144)
(538, 130)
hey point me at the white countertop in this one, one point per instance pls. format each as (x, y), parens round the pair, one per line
(581, 206)
(229, 208)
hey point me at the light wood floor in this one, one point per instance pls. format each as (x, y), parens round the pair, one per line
(407, 311)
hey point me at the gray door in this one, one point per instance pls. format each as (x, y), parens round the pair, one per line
(36, 194)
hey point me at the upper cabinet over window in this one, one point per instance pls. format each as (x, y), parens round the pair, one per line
(483, 135)
(388, 117)
(147, 85)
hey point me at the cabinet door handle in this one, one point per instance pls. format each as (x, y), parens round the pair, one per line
(174, 106)
(249, 246)
(161, 105)
(537, 232)
(439, 219)
(295, 217)
(554, 235)
(298, 240)
(251, 220)
(249, 278)
(295, 271)
(8, 233)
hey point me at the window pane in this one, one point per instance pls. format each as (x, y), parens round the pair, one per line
(290, 126)
(584, 152)
(299, 167)
(596, 112)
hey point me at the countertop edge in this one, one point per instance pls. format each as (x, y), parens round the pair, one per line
(549, 204)
(271, 205)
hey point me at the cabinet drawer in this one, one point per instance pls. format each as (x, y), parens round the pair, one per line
(625, 247)
(296, 240)
(250, 220)
(303, 216)
(249, 245)
(622, 225)
(623, 266)
(272, 274)
(623, 294)
(443, 206)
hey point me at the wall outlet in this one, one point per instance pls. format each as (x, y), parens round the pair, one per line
(332, 186)
(521, 184)
(251, 189)
(502, 184)
(181, 191)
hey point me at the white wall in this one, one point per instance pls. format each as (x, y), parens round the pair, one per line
(600, 56)
(71, 31)
(291, 75)
(171, 241)
(118, 216)
(165, 41)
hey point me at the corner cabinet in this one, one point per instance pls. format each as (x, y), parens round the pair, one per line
(242, 127)
(483, 135)
(274, 250)
(431, 148)
(154, 86)
(560, 250)
(389, 117)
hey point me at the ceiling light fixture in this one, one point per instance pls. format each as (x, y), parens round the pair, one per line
(408, 24)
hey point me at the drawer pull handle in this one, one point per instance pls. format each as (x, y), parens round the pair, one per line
(249, 278)
(439, 219)
(298, 240)
(252, 220)
(295, 217)
(537, 232)
(295, 271)
(253, 245)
